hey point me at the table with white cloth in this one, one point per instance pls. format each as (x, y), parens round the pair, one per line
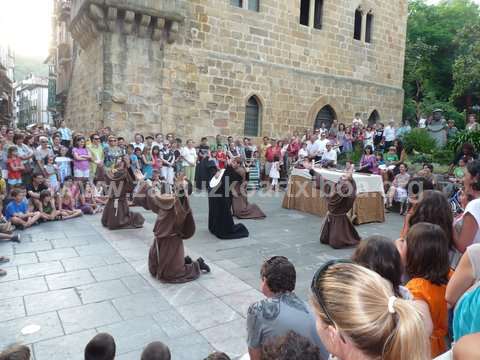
(303, 195)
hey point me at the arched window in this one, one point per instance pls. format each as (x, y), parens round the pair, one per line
(252, 117)
(357, 32)
(374, 117)
(368, 30)
(326, 115)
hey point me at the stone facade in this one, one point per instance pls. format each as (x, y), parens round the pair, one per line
(190, 66)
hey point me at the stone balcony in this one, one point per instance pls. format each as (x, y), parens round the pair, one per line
(157, 19)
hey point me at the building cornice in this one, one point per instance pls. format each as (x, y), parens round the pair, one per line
(91, 17)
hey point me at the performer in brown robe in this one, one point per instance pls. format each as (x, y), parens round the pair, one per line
(240, 206)
(174, 224)
(337, 229)
(120, 181)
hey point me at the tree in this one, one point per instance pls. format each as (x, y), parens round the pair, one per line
(466, 69)
(431, 50)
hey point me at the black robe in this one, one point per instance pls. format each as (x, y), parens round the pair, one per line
(220, 219)
(202, 169)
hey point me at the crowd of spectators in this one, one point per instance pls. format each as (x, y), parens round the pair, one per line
(418, 295)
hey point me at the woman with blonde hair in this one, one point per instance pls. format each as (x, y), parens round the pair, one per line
(360, 318)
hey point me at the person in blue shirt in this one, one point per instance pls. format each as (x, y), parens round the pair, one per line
(134, 165)
(17, 211)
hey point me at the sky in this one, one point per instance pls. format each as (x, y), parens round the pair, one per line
(26, 26)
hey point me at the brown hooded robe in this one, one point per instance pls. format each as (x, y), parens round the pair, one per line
(117, 214)
(337, 229)
(166, 259)
(241, 208)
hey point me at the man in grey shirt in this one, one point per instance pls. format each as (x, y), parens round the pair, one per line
(282, 311)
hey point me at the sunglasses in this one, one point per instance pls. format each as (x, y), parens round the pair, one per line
(96, 138)
(319, 296)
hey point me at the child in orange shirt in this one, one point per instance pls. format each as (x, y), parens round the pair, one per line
(428, 268)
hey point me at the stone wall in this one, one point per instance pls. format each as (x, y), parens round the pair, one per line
(197, 82)
(133, 72)
(83, 109)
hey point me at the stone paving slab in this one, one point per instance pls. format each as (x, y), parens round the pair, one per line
(88, 316)
(76, 278)
(51, 301)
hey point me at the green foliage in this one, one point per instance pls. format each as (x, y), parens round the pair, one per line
(436, 58)
(419, 141)
(450, 112)
(421, 159)
(466, 69)
(442, 156)
(438, 157)
(462, 137)
(354, 156)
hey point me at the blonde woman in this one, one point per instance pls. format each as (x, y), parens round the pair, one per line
(359, 317)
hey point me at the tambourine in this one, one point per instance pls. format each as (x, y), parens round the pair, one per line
(215, 180)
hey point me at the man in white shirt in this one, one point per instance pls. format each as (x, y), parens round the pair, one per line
(329, 157)
(319, 146)
(189, 154)
(389, 134)
(138, 142)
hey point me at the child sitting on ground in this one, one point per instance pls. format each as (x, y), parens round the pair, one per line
(69, 198)
(91, 199)
(18, 212)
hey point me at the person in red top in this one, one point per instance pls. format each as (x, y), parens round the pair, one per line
(292, 149)
(14, 166)
(270, 153)
(221, 157)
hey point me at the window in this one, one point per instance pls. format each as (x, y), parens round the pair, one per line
(374, 118)
(368, 30)
(304, 12)
(317, 20)
(247, 4)
(326, 115)
(252, 117)
(254, 5)
(357, 32)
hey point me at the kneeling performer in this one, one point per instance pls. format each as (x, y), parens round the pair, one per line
(166, 259)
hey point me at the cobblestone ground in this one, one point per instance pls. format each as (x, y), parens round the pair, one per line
(75, 278)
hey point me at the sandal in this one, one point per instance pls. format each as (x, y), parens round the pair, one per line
(4, 259)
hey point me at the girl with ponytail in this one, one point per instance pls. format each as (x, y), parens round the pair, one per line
(360, 318)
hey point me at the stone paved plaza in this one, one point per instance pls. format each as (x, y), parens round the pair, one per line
(75, 278)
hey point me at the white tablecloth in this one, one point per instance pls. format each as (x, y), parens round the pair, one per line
(366, 183)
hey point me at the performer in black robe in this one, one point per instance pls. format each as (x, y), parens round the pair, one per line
(201, 171)
(220, 219)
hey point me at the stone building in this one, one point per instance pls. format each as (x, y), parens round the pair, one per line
(31, 96)
(7, 64)
(254, 67)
